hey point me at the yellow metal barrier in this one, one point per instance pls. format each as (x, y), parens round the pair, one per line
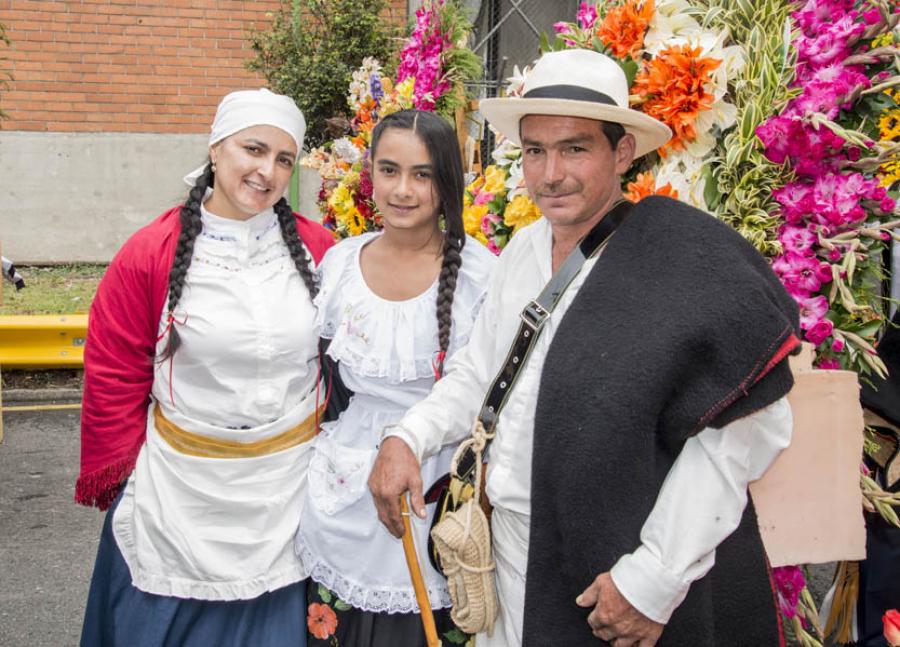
(42, 341)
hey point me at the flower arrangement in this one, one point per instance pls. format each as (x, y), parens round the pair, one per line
(836, 213)
(434, 63)
(679, 73)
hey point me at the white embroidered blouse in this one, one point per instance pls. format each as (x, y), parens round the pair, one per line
(385, 351)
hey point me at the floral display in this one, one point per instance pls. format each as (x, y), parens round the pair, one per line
(836, 213)
(433, 65)
(680, 74)
(796, 147)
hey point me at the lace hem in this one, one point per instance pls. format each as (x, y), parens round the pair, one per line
(376, 600)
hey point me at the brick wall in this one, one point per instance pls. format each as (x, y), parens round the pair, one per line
(128, 65)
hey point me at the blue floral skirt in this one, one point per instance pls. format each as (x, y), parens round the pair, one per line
(119, 615)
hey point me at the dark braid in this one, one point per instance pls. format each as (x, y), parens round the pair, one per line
(295, 246)
(446, 290)
(191, 225)
(440, 140)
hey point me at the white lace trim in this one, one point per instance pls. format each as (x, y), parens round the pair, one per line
(359, 596)
(375, 337)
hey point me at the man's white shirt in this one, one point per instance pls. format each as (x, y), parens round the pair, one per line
(701, 501)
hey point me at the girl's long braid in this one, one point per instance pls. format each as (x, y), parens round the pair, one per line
(295, 246)
(446, 289)
(191, 225)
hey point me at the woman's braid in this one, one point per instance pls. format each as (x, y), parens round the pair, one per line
(295, 246)
(191, 225)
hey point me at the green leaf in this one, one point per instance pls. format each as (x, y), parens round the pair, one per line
(340, 605)
(456, 637)
(711, 194)
(324, 594)
(545, 43)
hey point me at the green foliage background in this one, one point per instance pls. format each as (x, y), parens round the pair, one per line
(312, 49)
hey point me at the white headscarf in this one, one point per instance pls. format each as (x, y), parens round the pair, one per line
(246, 108)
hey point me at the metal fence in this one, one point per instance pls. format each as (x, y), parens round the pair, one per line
(507, 34)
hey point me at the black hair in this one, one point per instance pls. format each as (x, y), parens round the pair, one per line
(191, 225)
(440, 140)
(612, 131)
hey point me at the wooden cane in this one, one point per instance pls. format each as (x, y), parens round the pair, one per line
(415, 573)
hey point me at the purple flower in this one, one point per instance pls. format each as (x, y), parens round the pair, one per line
(562, 28)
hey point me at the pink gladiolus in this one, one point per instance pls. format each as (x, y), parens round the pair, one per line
(587, 16)
(819, 332)
(837, 346)
(483, 197)
(803, 274)
(789, 583)
(562, 28)
(829, 364)
(812, 310)
(799, 240)
(492, 248)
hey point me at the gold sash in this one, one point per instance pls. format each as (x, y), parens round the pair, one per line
(193, 444)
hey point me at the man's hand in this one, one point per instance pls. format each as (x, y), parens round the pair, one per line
(614, 619)
(395, 472)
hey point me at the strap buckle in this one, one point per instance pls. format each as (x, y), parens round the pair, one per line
(534, 315)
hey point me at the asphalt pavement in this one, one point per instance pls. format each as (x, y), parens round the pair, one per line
(47, 542)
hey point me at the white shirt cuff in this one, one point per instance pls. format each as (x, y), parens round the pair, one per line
(407, 436)
(647, 585)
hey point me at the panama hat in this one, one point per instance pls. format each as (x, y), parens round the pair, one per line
(576, 83)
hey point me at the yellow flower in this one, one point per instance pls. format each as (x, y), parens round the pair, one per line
(494, 179)
(406, 91)
(889, 174)
(883, 40)
(521, 211)
(472, 217)
(354, 222)
(480, 237)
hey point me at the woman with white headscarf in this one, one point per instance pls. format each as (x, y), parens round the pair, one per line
(200, 399)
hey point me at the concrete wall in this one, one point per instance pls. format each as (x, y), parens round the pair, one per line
(67, 197)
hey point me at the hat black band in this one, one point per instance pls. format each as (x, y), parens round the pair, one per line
(573, 92)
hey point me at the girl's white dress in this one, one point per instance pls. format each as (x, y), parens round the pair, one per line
(386, 352)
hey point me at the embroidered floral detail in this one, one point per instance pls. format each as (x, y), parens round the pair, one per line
(321, 621)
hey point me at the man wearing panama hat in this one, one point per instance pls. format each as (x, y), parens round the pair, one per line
(653, 394)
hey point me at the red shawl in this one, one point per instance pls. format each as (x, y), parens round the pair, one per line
(120, 349)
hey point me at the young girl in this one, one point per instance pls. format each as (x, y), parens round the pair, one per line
(200, 390)
(395, 305)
